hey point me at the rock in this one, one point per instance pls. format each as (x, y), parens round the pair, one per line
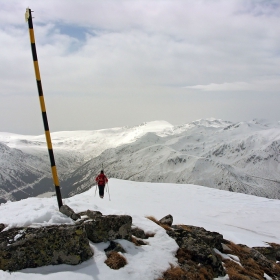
(66, 210)
(93, 214)
(198, 244)
(272, 252)
(138, 232)
(225, 248)
(253, 261)
(212, 239)
(2, 226)
(107, 228)
(33, 247)
(167, 220)
(260, 259)
(114, 246)
(277, 255)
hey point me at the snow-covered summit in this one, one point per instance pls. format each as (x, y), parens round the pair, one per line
(154, 126)
(211, 122)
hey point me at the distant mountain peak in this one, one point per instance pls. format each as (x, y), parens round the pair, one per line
(160, 124)
(239, 156)
(211, 122)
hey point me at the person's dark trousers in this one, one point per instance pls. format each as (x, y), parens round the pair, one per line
(101, 190)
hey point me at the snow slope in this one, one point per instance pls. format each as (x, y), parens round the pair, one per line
(25, 170)
(240, 218)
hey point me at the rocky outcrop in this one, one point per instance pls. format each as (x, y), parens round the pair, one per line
(107, 228)
(201, 255)
(101, 228)
(212, 239)
(272, 252)
(242, 261)
(198, 245)
(205, 255)
(32, 247)
(68, 244)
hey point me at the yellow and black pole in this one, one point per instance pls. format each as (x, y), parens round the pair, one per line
(28, 17)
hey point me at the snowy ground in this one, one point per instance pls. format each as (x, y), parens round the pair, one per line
(240, 218)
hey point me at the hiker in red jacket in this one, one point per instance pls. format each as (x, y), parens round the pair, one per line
(101, 181)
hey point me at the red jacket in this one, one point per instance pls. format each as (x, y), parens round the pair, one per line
(101, 179)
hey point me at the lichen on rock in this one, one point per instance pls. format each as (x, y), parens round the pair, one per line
(32, 247)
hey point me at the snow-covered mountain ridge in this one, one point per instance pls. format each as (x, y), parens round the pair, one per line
(22, 175)
(85, 143)
(71, 148)
(240, 157)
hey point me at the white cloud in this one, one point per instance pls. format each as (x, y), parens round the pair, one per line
(145, 48)
(265, 86)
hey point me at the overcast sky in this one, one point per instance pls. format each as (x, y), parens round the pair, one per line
(114, 63)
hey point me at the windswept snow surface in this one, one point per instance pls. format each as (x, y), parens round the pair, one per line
(240, 218)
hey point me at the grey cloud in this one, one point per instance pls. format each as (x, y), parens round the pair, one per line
(135, 52)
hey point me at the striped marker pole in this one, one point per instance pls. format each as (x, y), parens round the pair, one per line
(28, 17)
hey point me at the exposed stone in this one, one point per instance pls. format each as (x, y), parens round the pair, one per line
(93, 214)
(2, 226)
(138, 232)
(277, 256)
(83, 213)
(199, 244)
(225, 248)
(167, 220)
(272, 252)
(253, 261)
(212, 239)
(66, 210)
(260, 258)
(33, 247)
(107, 228)
(114, 246)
